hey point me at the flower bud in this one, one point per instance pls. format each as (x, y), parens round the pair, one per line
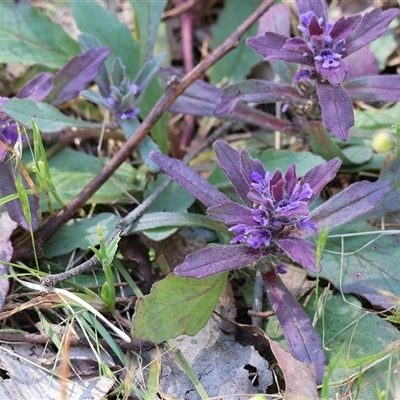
(382, 141)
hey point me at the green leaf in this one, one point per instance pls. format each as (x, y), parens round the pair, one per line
(72, 170)
(80, 233)
(356, 342)
(273, 159)
(93, 19)
(168, 219)
(358, 154)
(377, 119)
(47, 117)
(147, 20)
(29, 37)
(365, 264)
(176, 306)
(235, 65)
(323, 145)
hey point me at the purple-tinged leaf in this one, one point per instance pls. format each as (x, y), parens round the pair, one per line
(373, 25)
(189, 180)
(300, 251)
(251, 115)
(229, 162)
(304, 343)
(38, 88)
(275, 19)
(198, 90)
(77, 74)
(231, 213)
(320, 175)
(318, 7)
(255, 91)
(13, 207)
(344, 27)
(216, 259)
(7, 225)
(298, 44)
(361, 63)
(336, 108)
(148, 72)
(248, 165)
(88, 42)
(355, 200)
(270, 47)
(201, 98)
(374, 88)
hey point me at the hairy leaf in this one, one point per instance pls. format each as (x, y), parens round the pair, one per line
(77, 74)
(189, 180)
(304, 343)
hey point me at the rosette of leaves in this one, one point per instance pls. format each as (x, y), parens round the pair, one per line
(121, 97)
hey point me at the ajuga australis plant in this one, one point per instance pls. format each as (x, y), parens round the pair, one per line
(273, 221)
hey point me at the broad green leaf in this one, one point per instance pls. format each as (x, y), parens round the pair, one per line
(358, 154)
(364, 266)
(273, 159)
(103, 24)
(235, 65)
(80, 234)
(47, 117)
(72, 170)
(357, 341)
(176, 306)
(147, 20)
(377, 119)
(29, 37)
(168, 219)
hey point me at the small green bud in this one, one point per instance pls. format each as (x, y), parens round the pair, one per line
(382, 141)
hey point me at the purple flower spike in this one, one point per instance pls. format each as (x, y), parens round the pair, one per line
(275, 218)
(324, 45)
(321, 53)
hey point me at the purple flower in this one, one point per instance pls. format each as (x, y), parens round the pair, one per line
(275, 219)
(122, 99)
